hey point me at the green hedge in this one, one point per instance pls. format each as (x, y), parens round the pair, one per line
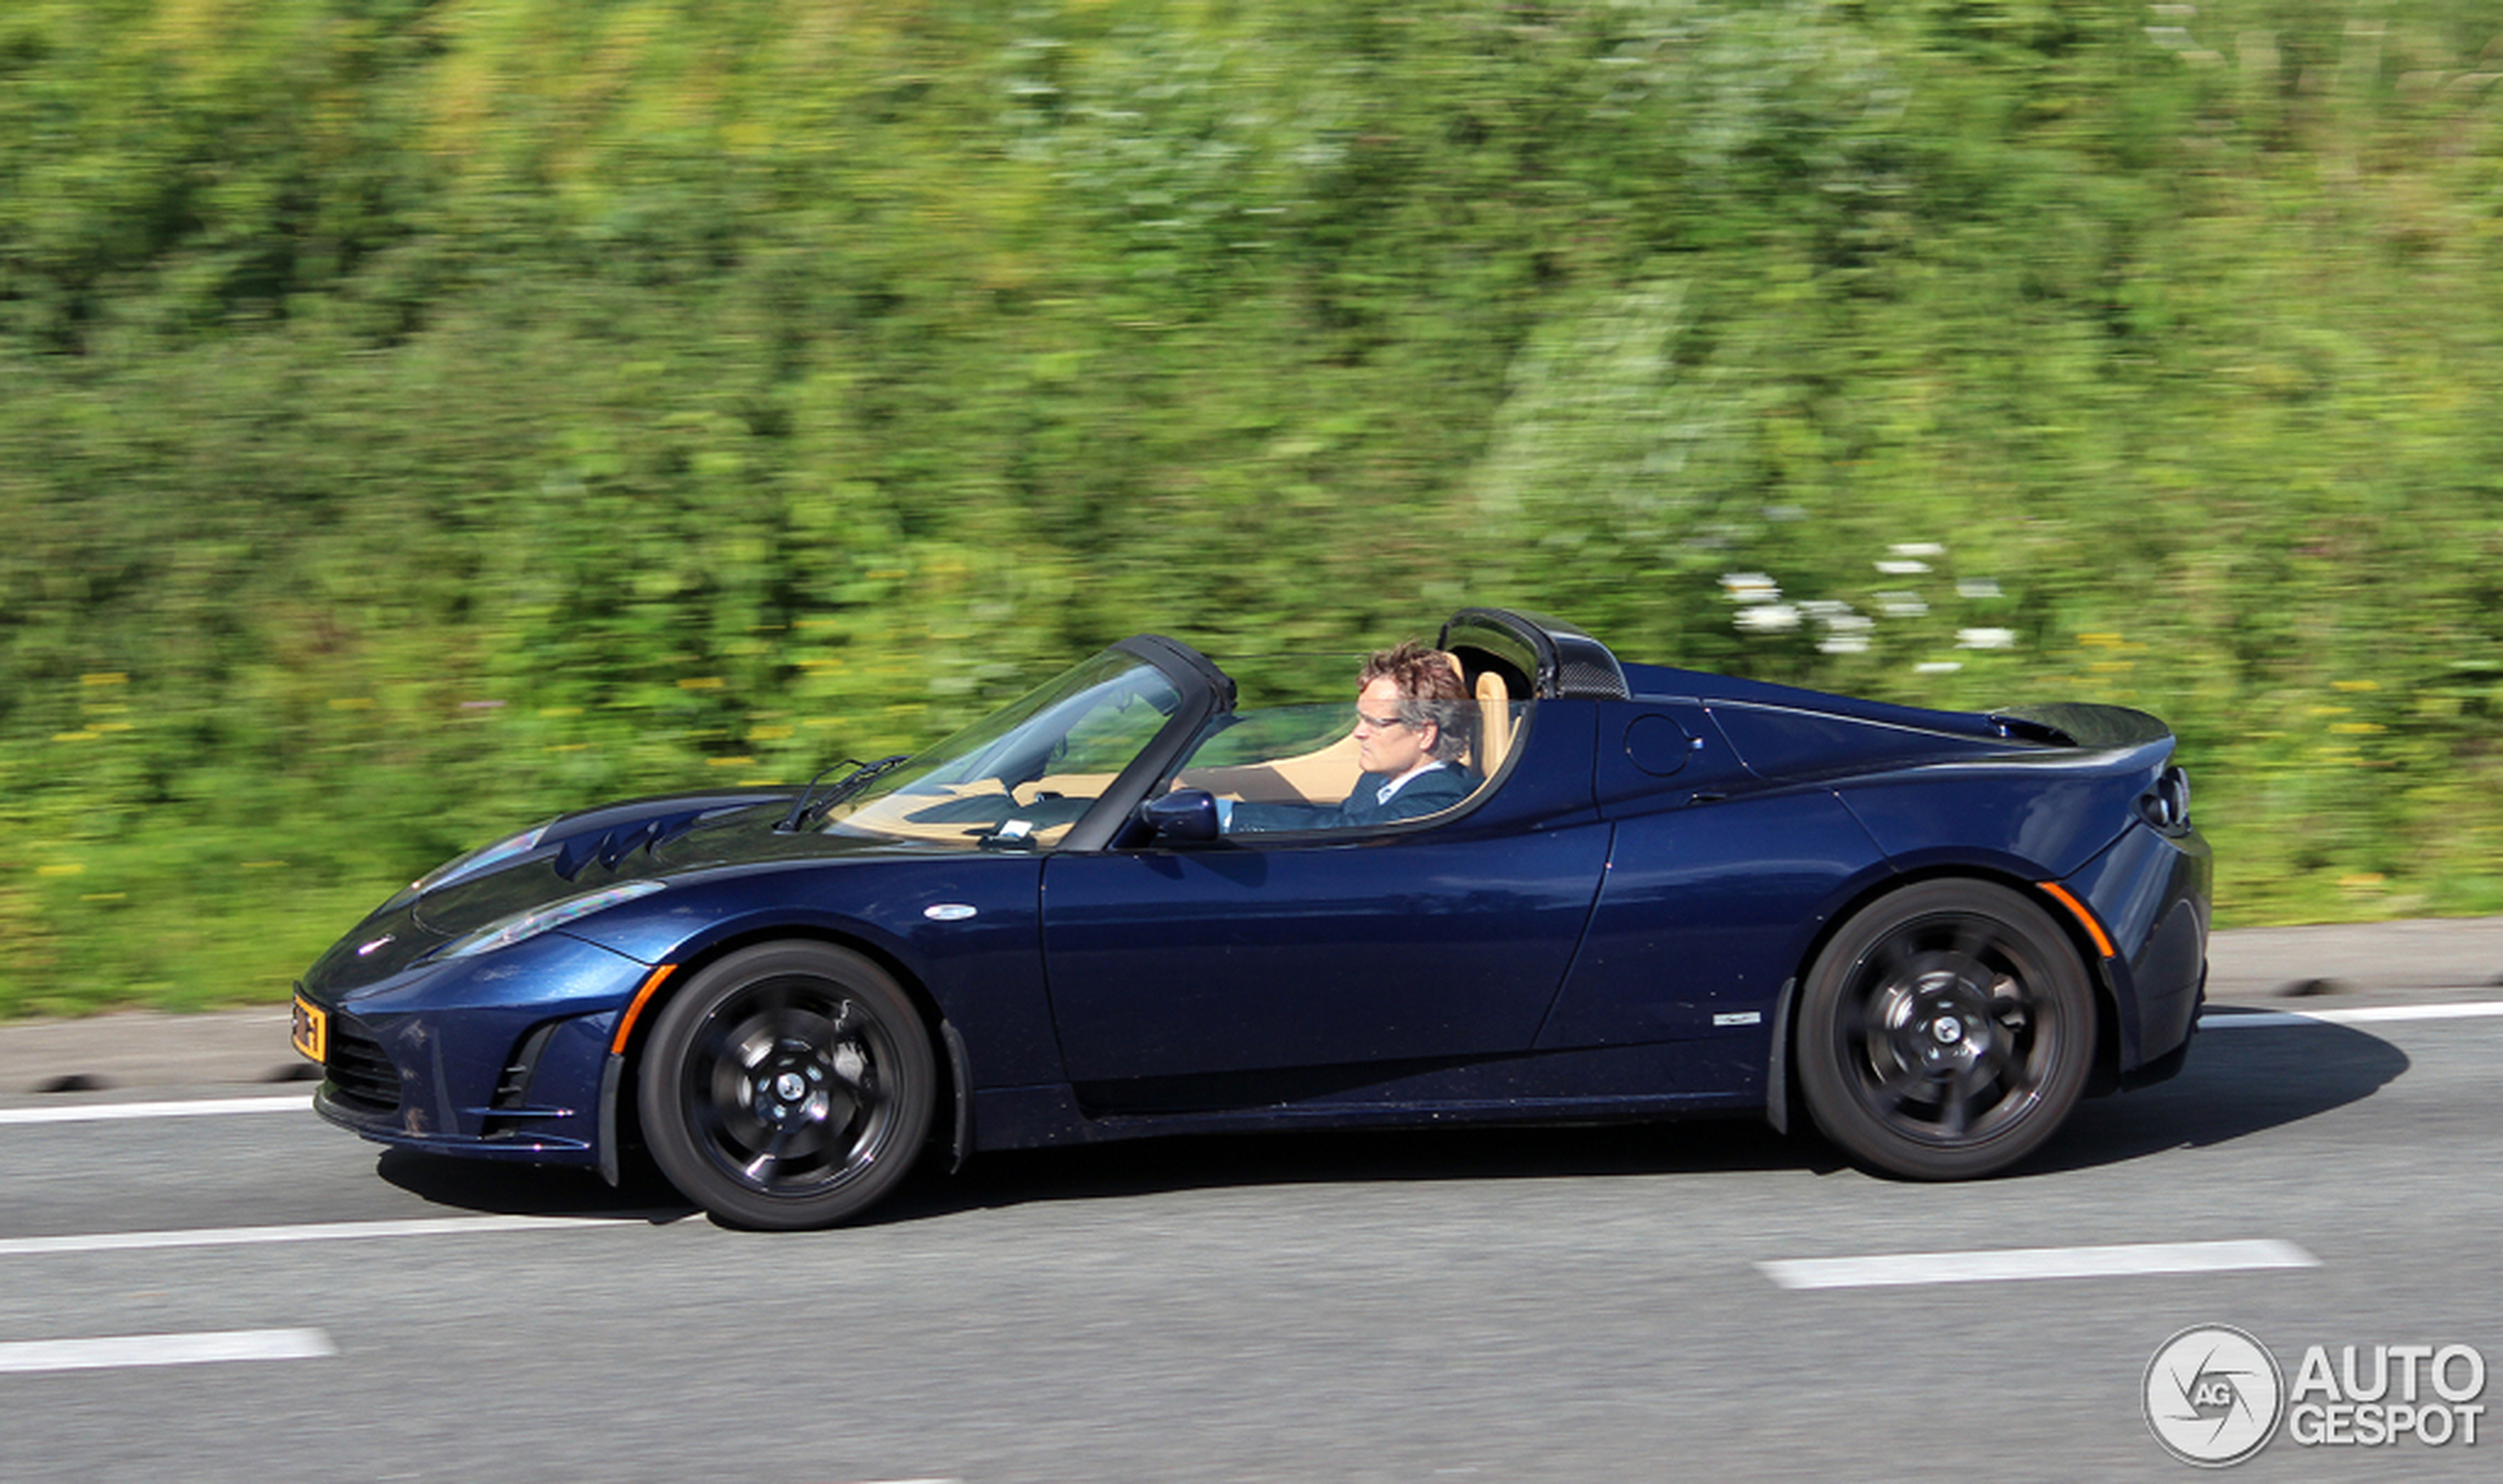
(422, 416)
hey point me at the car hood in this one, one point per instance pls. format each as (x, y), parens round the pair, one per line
(650, 839)
(667, 839)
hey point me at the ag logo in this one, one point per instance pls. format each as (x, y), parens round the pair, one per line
(2213, 1395)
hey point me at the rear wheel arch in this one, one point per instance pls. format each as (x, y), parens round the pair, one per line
(1806, 1012)
(2098, 971)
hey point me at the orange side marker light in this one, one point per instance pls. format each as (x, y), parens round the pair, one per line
(635, 1008)
(2094, 929)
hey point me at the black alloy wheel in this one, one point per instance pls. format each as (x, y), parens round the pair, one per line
(789, 1085)
(1945, 1032)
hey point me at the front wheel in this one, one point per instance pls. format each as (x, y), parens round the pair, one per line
(1946, 1031)
(789, 1085)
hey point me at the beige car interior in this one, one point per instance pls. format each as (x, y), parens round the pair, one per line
(1323, 776)
(1326, 775)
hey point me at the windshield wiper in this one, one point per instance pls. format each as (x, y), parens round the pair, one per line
(844, 786)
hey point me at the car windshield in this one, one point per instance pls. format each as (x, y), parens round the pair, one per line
(1021, 776)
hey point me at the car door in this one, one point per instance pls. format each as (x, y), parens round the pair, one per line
(1265, 954)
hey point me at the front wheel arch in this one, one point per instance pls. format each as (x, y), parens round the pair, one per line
(951, 1128)
(787, 1081)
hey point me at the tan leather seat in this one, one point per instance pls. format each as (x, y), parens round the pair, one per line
(1494, 722)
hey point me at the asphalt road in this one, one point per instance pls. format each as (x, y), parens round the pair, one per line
(1550, 1305)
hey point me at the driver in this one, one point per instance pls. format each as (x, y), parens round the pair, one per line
(1413, 723)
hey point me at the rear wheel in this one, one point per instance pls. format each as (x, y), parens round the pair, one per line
(789, 1085)
(1945, 1032)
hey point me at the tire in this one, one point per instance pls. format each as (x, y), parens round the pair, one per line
(789, 1085)
(1945, 1032)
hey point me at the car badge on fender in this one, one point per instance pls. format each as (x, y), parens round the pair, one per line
(948, 912)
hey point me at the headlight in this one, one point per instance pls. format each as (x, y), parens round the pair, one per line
(506, 931)
(479, 861)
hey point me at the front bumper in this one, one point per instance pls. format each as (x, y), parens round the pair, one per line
(494, 1057)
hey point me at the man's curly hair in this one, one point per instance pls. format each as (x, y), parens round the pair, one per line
(1430, 689)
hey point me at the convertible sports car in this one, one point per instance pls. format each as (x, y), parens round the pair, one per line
(1931, 932)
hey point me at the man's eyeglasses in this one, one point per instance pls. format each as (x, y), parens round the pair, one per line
(1382, 723)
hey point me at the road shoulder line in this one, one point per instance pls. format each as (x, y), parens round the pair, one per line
(191, 1108)
(2362, 1015)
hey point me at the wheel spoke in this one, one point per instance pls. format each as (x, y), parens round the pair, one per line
(795, 1024)
(1971, 943)
(720, 1090)
(1999, 1063)
(1955, 1106)
(1901, 1087)
(758, 1170)
(1891, 961)
(765, 1008)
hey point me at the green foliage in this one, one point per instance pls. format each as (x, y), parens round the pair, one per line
(422, 416)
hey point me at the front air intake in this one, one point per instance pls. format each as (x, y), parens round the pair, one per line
(360, 1076)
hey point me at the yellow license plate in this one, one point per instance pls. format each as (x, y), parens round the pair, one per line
(312, 1030)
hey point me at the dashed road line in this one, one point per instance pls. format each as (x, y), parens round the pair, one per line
(2130, 1260)
(120, 1351)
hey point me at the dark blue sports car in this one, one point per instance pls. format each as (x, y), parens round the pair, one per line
(1662, 892)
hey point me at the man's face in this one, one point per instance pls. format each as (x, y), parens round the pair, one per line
(1393, 748)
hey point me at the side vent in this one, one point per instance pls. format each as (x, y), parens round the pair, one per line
(512, 1089)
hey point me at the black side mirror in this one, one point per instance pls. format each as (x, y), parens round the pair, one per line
(1186, 813)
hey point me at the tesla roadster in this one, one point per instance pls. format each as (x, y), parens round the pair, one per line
(1928, 933)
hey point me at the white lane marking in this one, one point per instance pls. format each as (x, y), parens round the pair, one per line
(330, 1231)
(110, 1352)
(201, 1108)
(2362, 1015)
(2136, 1259)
